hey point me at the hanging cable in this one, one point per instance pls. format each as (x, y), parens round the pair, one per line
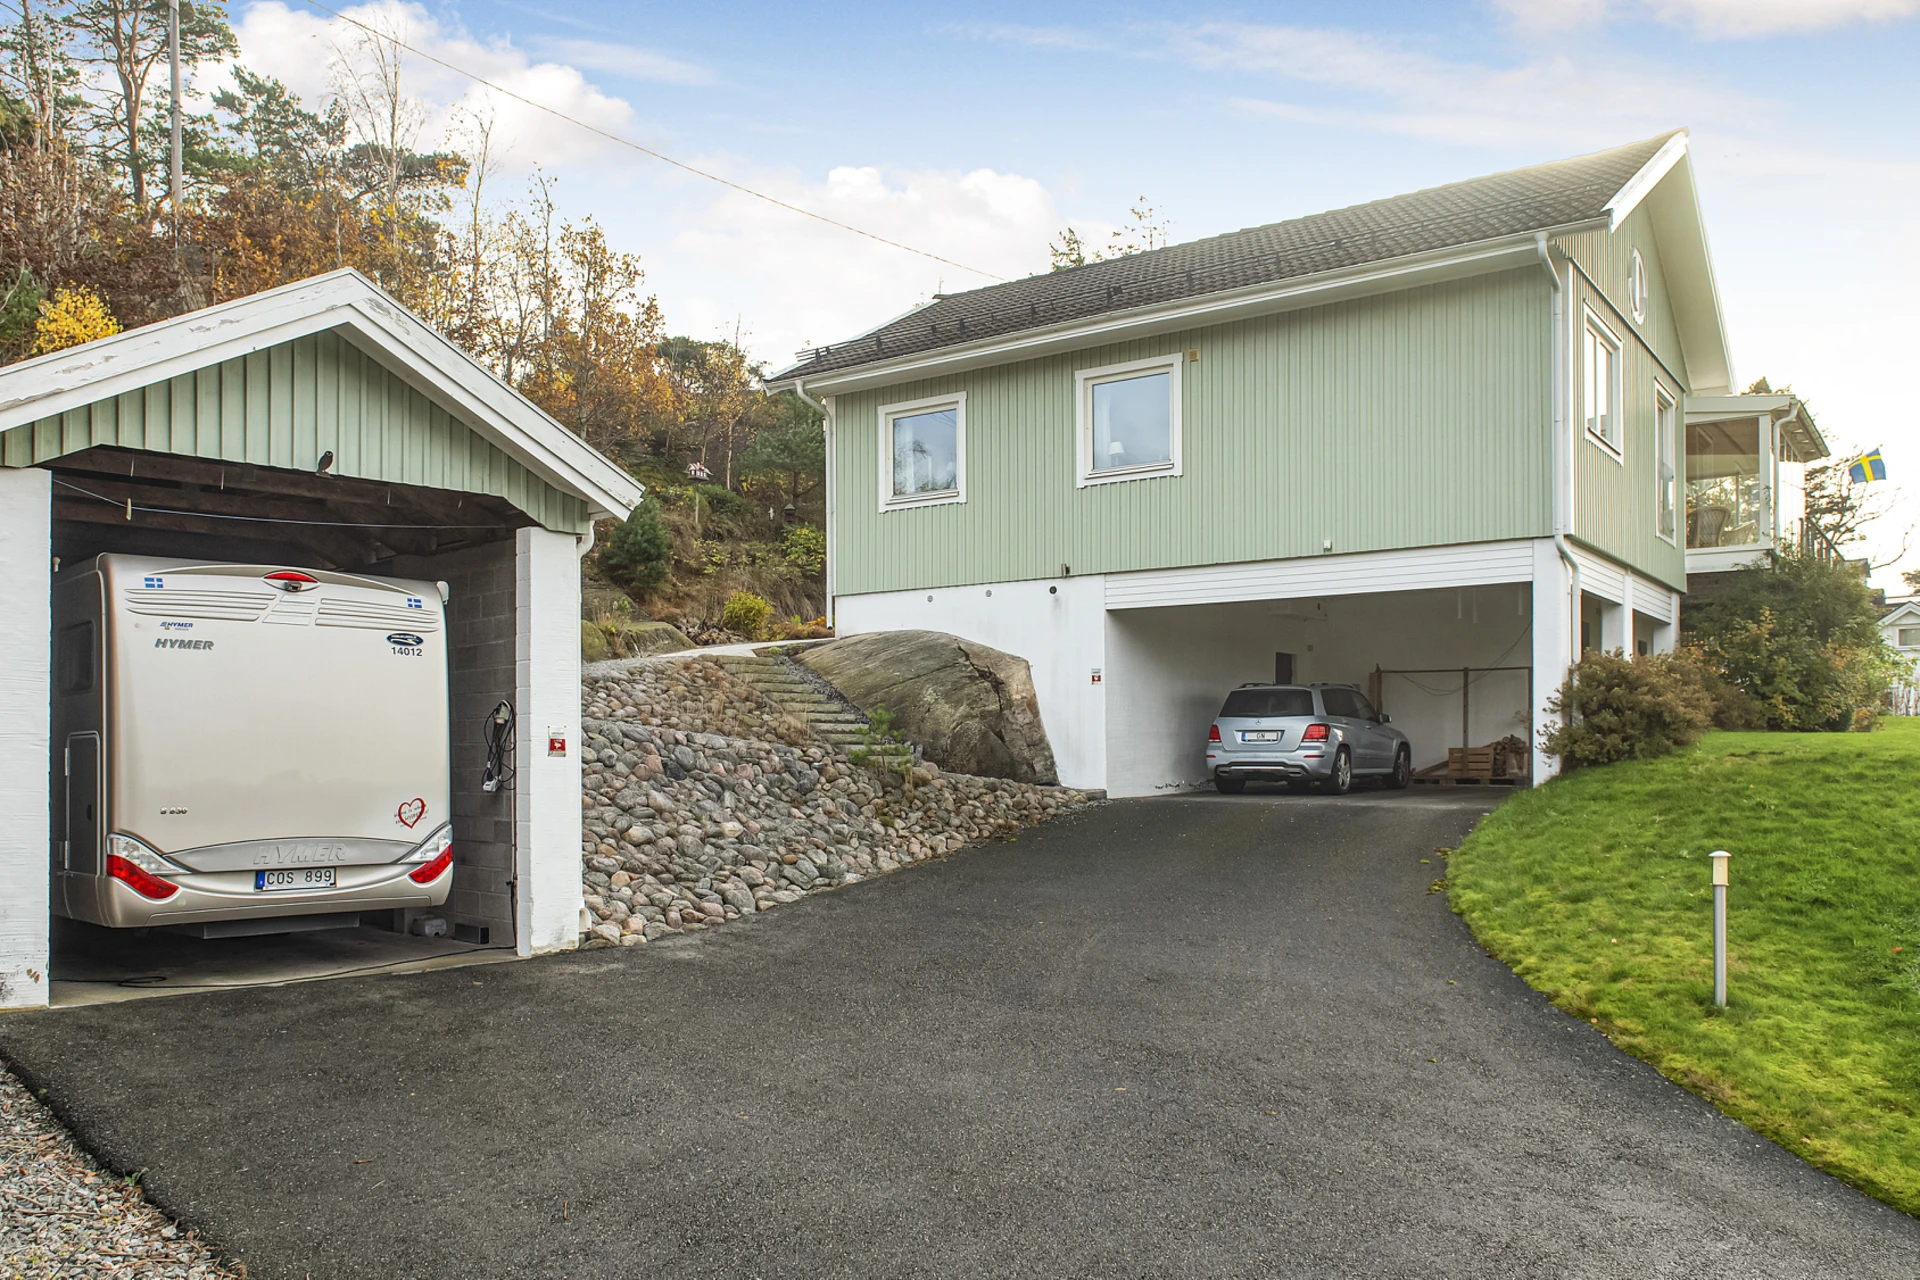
(499, 734)
(131, 506)
(647, 151)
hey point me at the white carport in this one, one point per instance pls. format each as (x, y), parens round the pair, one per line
(1131, 668)
(319, 425)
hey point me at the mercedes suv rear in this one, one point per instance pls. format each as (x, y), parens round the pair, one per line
(1326, 734)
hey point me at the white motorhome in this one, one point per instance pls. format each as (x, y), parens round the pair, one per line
(247, 747)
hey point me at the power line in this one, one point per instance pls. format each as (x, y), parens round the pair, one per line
(646, 151)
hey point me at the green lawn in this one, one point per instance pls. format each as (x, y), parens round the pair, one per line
(1595, 889)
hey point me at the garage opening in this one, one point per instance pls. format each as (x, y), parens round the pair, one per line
(1170, 668)
(185, 512)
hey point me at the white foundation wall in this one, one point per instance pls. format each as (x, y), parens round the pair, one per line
(26, 585)
(547, 705)
(1057, 625)
(1170, 669)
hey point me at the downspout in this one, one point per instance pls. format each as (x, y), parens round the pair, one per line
(1560, 380)
(826, 415)
(585, 540)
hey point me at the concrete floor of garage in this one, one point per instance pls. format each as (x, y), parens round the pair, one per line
(92, 965)
(1198, 1036)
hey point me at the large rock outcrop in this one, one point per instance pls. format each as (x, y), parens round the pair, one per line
(970, 707)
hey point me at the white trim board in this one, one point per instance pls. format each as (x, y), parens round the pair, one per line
(1463, 565)
(1655, 601)
(353, 305)
(1642, 183)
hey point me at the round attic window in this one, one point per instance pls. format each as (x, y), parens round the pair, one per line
(1637, 287)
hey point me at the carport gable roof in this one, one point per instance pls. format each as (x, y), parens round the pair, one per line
(1500, 213)
(352, 306)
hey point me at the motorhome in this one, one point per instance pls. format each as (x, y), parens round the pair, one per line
(247, 748)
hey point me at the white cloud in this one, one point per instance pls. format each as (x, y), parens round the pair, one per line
(1724, 19)
(627, 60)
(799, 282)
(300, 48)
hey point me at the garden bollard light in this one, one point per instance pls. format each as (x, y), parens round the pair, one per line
(1720, 858)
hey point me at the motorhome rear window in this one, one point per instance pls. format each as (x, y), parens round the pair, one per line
(1253, 703)
(74, 659)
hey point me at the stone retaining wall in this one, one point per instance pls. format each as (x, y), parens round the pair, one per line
(688, 830)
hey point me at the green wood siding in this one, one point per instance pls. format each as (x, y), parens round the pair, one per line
(1411, 419)
(1604, 257)
(1615, 499)
(284, 407)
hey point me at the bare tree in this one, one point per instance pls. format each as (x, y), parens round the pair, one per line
(369, 79)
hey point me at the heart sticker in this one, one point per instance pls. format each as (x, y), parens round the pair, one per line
(411, 811)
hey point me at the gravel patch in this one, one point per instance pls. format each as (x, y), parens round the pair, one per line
(62, 1215)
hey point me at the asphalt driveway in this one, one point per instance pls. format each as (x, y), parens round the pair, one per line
(1180, 1037)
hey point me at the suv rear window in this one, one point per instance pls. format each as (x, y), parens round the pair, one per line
(1254, 703)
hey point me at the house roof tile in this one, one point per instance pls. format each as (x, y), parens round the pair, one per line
(1541, 197)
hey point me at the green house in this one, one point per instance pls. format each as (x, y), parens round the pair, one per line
(1430, 446)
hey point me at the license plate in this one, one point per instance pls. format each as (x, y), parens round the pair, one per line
(298, 878)
(1259, 735)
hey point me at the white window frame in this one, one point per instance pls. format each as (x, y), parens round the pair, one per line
(1898, 632)
(1666, 454)
(1637, 287)
(1085, 380)
(889, 500)
(1603, 332)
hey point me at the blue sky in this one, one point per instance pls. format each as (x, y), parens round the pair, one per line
(975, 132)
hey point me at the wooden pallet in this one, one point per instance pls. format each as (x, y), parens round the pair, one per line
(1491, 765)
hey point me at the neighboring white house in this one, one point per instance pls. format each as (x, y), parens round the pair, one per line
(320, 425)
(1901, 627)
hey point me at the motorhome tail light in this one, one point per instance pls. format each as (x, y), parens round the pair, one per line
(142, 883)
(429, 872)
(293, 580)
(1314, 733)
(1213, 733)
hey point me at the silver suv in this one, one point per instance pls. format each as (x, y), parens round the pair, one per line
(1327, 734)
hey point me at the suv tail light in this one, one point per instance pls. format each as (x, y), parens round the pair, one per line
(1314, 733)
(427, 873)
(141, 882)
(1213, 733)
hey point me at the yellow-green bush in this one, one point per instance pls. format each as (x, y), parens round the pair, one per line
(746, 614)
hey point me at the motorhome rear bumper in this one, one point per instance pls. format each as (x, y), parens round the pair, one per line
(230, 896)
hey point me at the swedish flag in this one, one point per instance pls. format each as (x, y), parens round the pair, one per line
(1868, 467)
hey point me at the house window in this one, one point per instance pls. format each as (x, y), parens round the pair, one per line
(1129, 420)
(1666, 476)
(1637, 288)
(1907, 637)
(1602, 386)
(923, 452)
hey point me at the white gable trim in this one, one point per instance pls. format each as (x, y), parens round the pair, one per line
(1908, 612)
(1627, 198)
(366, 316)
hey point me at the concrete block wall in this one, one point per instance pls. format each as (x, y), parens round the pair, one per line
(481, 667)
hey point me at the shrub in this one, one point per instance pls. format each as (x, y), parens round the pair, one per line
(805, 548)
(640, 552)
(71, 317)
(746, 614)
(1617, 708)
(1801, 639)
